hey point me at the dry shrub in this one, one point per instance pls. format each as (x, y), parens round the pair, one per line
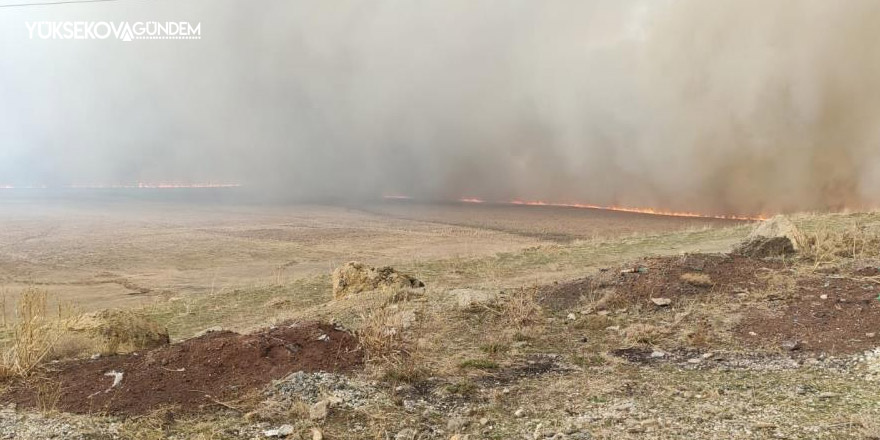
(119, 331)
(381, 333)
(404, 369)
(521, 309)
(48, 394)
(71, 345)
(33, 334)
(697, 279)
(642, 333)
(826, 244)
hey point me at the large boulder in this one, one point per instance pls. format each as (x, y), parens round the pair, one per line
(354, 277)
(775, 237)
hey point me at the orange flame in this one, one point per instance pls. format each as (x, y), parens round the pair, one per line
(649, 211)
(471, 200)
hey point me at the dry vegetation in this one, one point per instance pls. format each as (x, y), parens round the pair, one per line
(607, 362)
(32, 336)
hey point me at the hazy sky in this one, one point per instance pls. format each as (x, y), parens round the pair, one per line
(722, 106)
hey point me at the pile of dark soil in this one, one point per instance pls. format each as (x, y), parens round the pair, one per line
(195, 375)
(667, 277)
(846, 320)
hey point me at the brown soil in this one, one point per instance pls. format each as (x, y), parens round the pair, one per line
(841, 323)
(661, 277)
(197, 374)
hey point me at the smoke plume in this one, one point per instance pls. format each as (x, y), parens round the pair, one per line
(724, 107)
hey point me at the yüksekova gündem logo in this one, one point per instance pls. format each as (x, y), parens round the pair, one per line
(105, 30)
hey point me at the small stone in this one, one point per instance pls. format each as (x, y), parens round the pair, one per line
(753, 334)
(791, 345)
(823, 296)
(613, 328)
(319, 410)
(695, 361)
(505, 391)
(204, 332)
(460, 437)
(870, 335)
(603, 312)
(317, 434)
(519, 413)
(662, 302)
(484, 421)
(406, 434)
(657, 354)
(571, 317)
(281, 431)
(828, 395)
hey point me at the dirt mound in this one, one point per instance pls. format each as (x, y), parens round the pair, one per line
(660, 278)
(674, 277)
(119, 330)
(354, 277)
(195, 374)
(835, 314)
(772, 238)
(764, 247)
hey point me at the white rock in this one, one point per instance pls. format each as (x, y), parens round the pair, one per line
(571, 317)
(661, 301)
(281, 431)
(470, 297)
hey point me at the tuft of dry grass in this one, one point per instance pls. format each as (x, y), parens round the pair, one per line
(521, 309)
(381, 333)
(33, 336)
(827, 244)
(644, 333)
(697, 279)
(48, 394)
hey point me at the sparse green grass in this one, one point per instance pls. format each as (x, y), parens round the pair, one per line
(237, 309)
(478, 364)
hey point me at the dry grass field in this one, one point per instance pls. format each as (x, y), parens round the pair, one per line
(533, 323)
(117, 252)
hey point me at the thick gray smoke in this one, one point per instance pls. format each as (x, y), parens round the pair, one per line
(724, 106)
